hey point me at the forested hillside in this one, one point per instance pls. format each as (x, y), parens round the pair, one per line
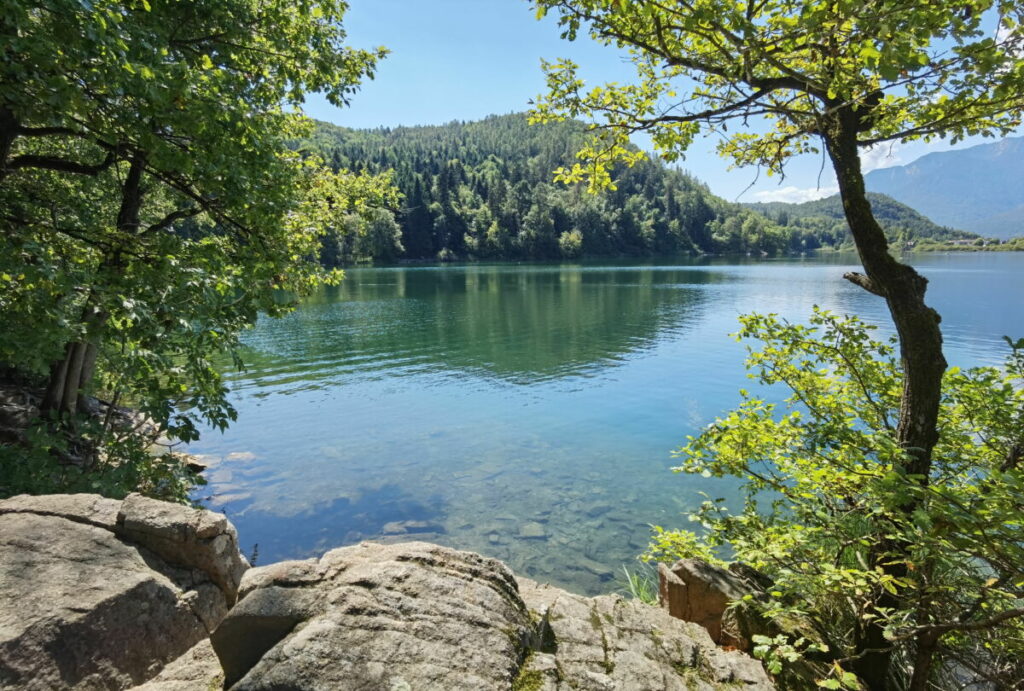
(824, 218)
(484, 190)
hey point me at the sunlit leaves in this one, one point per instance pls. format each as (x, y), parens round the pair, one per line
(825, 486)
(909, 70)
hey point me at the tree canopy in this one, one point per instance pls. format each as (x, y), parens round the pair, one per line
(823, 480)
(897, 70)
(152, 206)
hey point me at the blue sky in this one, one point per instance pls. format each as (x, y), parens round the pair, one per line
(466, 59)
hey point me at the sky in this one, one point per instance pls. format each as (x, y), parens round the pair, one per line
(466, 59)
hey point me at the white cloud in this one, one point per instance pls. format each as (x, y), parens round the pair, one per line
(1011, 40)
(795, 195)
(880, 156)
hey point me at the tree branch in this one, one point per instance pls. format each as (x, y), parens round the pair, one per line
(173, 217)
(61, 164)
(48, 132)
(864, 282)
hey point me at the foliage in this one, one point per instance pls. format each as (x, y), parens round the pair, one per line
(640, 584)
(152, 207)
(824, 486)
(672, 545)
(911, 71)
(127, 464)
(483, 190)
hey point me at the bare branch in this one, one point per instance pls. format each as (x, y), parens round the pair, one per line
(864, 282)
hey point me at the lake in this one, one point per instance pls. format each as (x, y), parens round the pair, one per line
(527, 411)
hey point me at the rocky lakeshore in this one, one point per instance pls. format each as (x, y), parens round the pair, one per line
(109, 594)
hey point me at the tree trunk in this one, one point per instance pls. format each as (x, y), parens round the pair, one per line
(924, 658)
(55, 384)
(71, 375)
(8, 133)
(73, 384)
(921, 358)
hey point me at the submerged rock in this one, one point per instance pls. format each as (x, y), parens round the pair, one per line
(100, 593)
(532, 531)
(411, 527)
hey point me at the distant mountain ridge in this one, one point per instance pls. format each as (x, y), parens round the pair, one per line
(901, 223)
(980, 189)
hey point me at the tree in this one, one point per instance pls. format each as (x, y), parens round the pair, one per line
(152, 206)
(839, 74)
(825, 477)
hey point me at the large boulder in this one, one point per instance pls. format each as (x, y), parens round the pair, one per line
(696, 591)
(101, 594)
(420, 616)
(372, 616)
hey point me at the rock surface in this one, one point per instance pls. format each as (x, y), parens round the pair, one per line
(696, 591)
(372, 616)
(420, 616)
(105, 594)
(610, 643)
(197, 670)
(101, 594)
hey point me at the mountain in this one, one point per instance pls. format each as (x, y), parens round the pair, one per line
(901, 223)
(485, 190)
(980, 189)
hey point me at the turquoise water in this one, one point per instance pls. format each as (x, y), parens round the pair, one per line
(526, 411)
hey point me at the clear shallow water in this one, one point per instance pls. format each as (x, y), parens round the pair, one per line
(526, 412)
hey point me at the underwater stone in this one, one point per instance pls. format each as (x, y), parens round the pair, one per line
(532, 531)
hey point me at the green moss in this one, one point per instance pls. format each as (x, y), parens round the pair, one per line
(528, 679)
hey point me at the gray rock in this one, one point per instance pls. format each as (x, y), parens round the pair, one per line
(418, 616)
(104, 594)
(197, 670)
(98, 595)
(607, 642)
(411, 527)
(532, 531)
(373, 616)
(188, 537)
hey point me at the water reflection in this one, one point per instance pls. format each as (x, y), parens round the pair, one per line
(525, 412)
(500, 321)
